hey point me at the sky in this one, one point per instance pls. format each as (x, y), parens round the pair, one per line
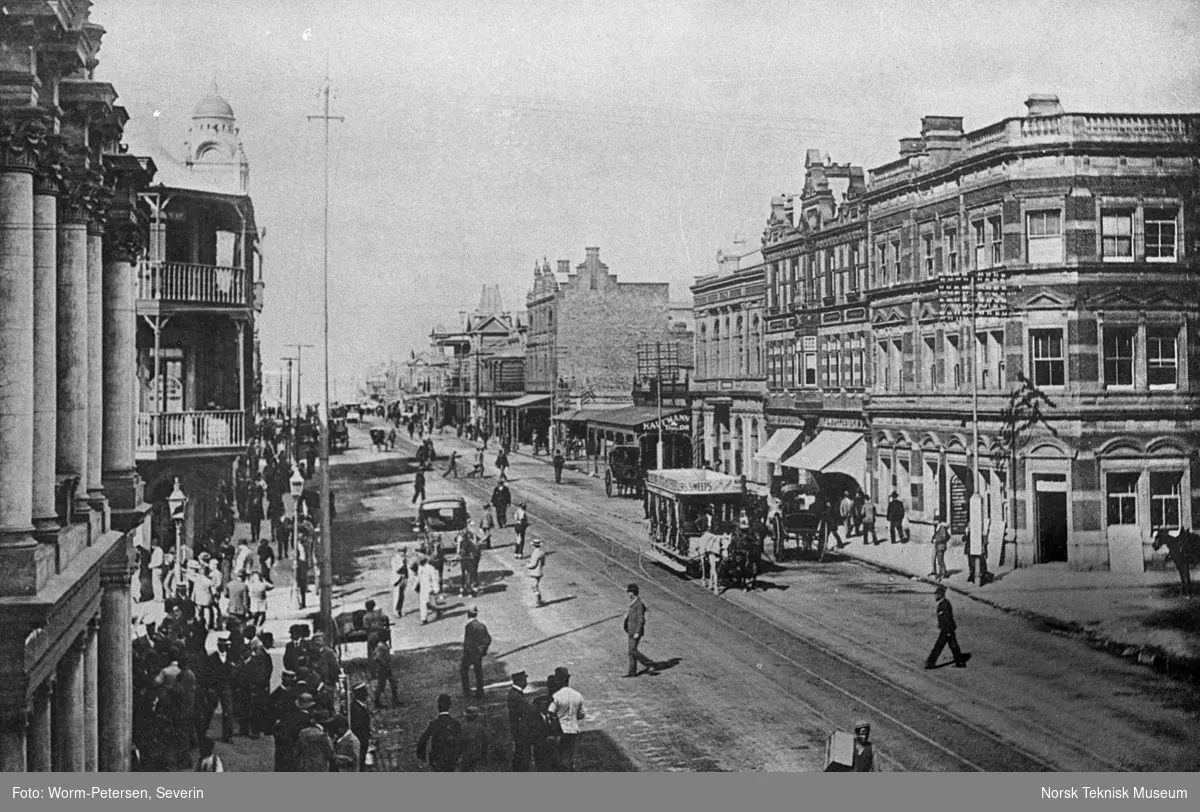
(483, 135)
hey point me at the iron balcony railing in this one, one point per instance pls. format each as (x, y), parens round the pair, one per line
(193, 284)
(190, 430)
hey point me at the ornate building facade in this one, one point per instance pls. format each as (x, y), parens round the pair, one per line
(70, 496)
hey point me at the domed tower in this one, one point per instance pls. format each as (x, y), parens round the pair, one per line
(213, 146)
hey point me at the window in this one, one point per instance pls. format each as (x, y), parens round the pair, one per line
(979, 229)
(1164, 499)
(1162, 362)
(895, 260)
(1122, 498)
(951, 235)
(883, 372)
(1047, 357)
(927, 245)
(930, 363)
(810, 369)
(833, 357)
(857, 371)
(1044, 237)
(1160, 235)
(997, 232)
(1116, 236)
(1118, 356)
(953, 361)
(882, 265)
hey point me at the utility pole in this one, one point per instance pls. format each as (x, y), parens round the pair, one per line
(659, 386)
(290, 359)
(300, 348)
(326, 583)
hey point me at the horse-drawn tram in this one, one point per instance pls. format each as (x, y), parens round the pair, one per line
(683, 505)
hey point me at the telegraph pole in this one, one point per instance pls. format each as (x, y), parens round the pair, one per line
(326, 584)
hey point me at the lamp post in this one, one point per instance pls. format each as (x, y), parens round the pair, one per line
(296, 485)
(177, 502)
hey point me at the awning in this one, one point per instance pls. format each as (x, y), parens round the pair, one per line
(581, 415)
(642, 418)
(525, 402)
(779, 446)
(833, 452)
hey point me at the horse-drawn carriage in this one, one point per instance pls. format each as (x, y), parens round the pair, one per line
(796, 524)
(625, 472)
(339, 435)
(697, 523)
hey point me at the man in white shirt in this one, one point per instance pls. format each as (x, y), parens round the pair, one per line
(567, 705)
(241, 562)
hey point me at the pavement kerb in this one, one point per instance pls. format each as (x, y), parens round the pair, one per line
(1150, 656)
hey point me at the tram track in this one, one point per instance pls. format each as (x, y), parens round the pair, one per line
(911, 721)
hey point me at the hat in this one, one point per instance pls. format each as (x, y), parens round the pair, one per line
(519, 676)
(895, 493)
(472, 711)
(940, 590)
(305, 701)
(444, 702)
(472, 611)
(361, 688)
(562, 673)
(288, 674)
(862, 723)
(632, 588)
(318, 637)
(537, 542)
(205, 557)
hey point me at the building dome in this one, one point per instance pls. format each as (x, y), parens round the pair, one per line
(213, 106)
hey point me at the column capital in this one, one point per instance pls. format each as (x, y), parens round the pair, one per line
(78, 195)
(47, 175)
(23, 133)
(123, 242)
(102, 198)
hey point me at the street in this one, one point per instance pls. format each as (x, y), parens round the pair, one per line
(755, 681)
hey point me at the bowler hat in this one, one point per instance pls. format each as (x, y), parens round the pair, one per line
(472, 611)
(562, 673)
(940, 590)
(537, 542)
(861, 724)
(305, 701)
(519, 676)
(472, 711)
(633, 588)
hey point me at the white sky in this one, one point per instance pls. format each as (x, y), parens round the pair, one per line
(482, 135)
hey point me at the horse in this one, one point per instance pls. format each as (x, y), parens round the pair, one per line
(713, 549)
(1184, 550)
(378, 439)
(745, 559)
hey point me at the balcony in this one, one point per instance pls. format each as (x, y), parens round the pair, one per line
(170, 432)
(184, 283)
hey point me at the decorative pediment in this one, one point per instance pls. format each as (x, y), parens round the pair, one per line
(928, 312)
(1118, 299)
(1047, 300)
(889, 315)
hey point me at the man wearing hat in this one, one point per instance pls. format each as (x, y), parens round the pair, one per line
(520, 717)
(947, 632)
(567, 705)
(384, 673)
(399, 579)
(218, 686)
(474, 743)
(324, 660)
(476, 641)
(635, 627)
(442, 739)
(287, 733)
(864, 751)
(239, 598)
(537, 568)
(314, 748)
(895, 517)
(360, 721)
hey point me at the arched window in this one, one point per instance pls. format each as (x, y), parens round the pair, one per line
(715, 358)
(756, 339)
(702, 350)
(739, 341)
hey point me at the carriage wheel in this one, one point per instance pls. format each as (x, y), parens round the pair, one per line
(608, 484)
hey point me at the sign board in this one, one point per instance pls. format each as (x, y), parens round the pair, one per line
(693, 481)
(959, 505)
(671, 422)
(839, 753)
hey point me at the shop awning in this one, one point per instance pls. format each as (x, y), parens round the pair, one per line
(581, 415)
(833, 452)
(525, 402)
(779, 446)
(641, 418)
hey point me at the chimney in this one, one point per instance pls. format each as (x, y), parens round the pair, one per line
(564, 266)
(941, 125)
(593, 252)
(1043, 104)
(911, 146)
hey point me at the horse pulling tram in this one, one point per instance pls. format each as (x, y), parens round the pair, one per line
(697, 524)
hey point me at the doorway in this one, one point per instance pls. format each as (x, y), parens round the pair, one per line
(1051, 516)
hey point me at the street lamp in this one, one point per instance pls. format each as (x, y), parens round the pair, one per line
(177, 502)
(296, 485)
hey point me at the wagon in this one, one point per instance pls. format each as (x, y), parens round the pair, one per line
(682, 504)
(796, 525)
(625, 473)
(339, 435)
(350, 628)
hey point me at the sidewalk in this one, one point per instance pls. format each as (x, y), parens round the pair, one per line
(1139, 616)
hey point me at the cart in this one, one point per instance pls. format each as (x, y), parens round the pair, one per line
(625, 472)
(682, 506)
(339, 435)
(796, 526)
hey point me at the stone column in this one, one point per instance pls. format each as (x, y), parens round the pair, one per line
(95, 360)
(122, 245)
(13, 728)
(45, 340)
(115, 686)
(73, 215)
(19, 558)
(40, 754)
(68, 711)
(89, 698)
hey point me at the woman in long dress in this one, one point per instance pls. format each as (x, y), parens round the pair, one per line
(145, 578)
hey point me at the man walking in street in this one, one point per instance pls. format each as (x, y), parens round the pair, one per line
(520, 716)
(384, 672)
(947, 632)
(537, 568)
(559, 462)
(501, 499)
(567, 705)
(521, 525)
(442, 739)
(867, 510)
(476, 641)
(428, 585)
(895, 518)
(846, 514)
(941, 541)
(419, 486)
(502, 464)
(469, 554)
(239, 599)
(399, 579)
(635, 627)
(452, 468)
(474, 743)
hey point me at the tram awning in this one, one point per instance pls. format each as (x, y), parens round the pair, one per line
(779, 446)
(833, 452)
(525, 402)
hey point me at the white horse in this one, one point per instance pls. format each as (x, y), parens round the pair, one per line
(712, 550)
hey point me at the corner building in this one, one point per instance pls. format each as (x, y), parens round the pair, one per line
(71, 502)
(1076, 234)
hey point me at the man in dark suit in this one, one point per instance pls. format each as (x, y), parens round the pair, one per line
(501, 499)
(635, 627)
(476, 641)
(946, 632)
(520, 716)
(442, 738)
